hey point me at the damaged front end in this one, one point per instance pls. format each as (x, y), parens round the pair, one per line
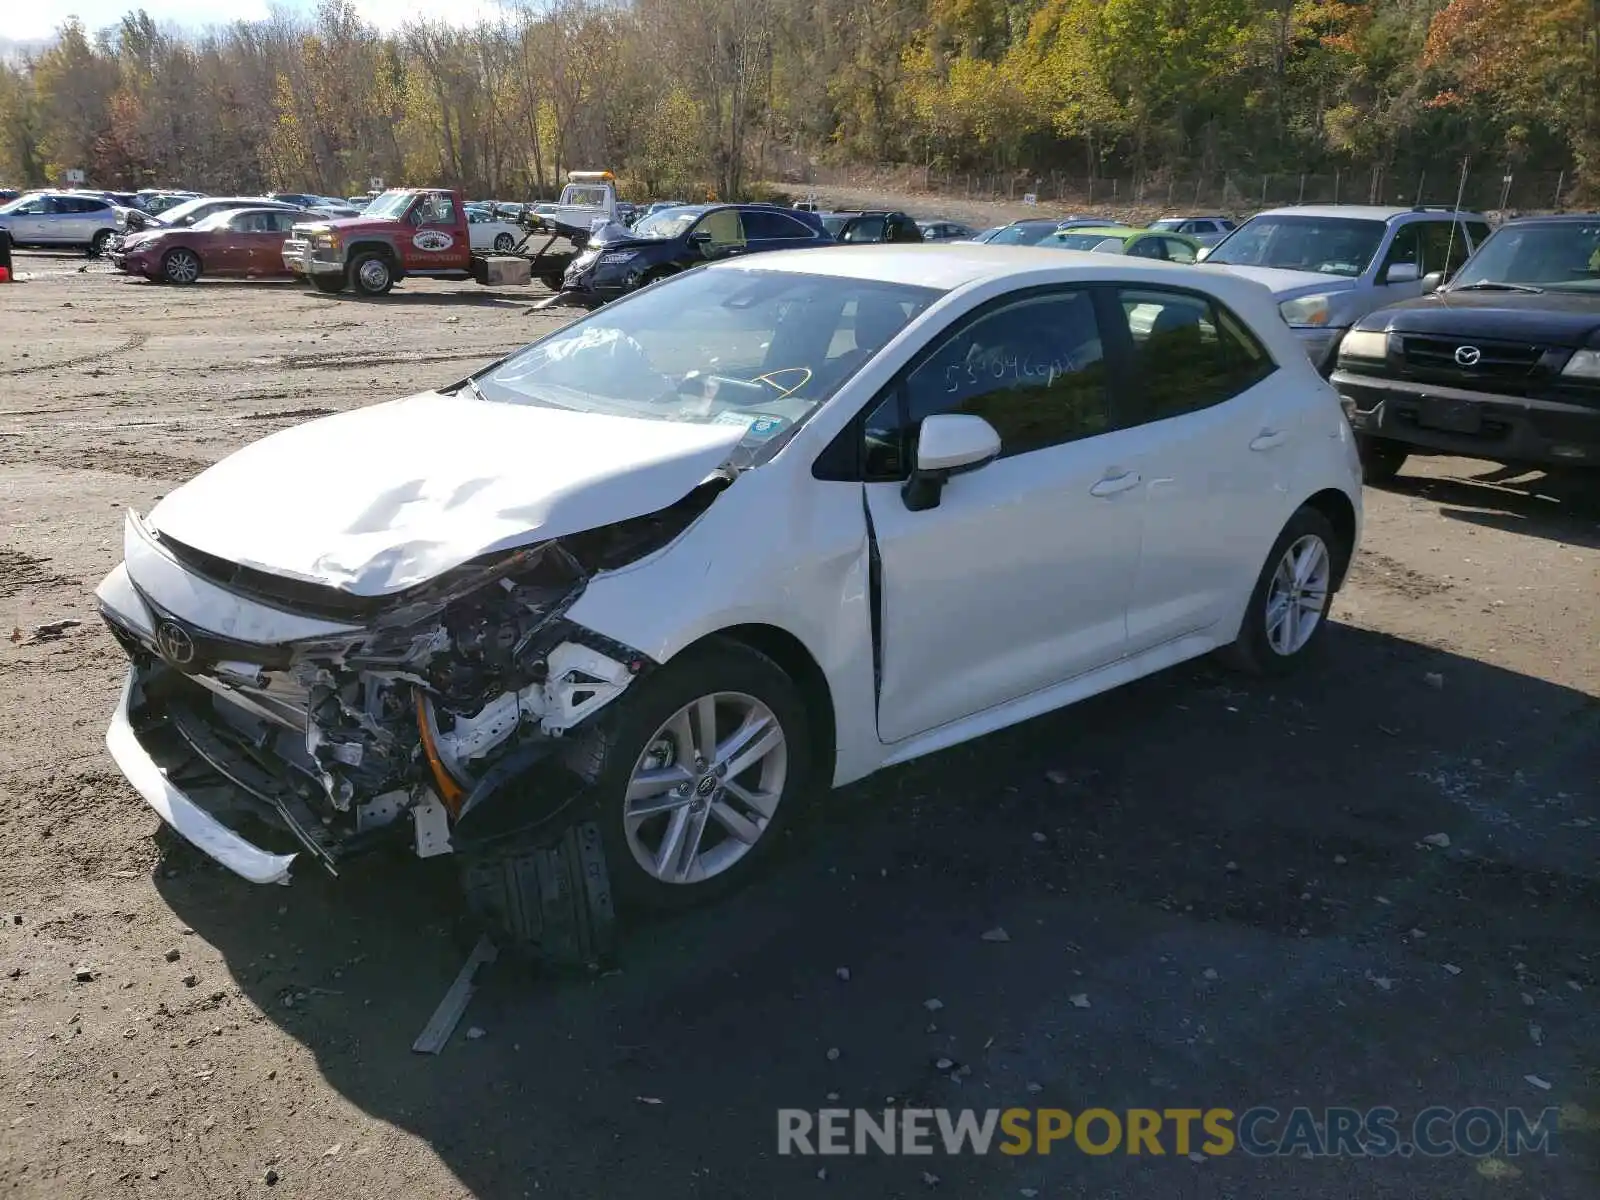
(330, 722)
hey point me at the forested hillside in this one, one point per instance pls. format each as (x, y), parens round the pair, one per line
(706, 95)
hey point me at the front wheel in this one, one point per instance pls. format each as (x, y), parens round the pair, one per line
(696, 774)
(180, 266)
(1381, 458)
(1288, 608)
(371, 274)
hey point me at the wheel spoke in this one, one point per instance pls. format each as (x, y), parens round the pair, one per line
(765, 803)
(705, 728)
(694, 829)
(1308, 562)
(651, 792)
(681, 732)
(770, 739)
(668, 852)
(741, 827)
(751, 728)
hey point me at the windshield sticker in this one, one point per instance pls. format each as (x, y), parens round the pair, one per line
(759, 426)
(433, 239)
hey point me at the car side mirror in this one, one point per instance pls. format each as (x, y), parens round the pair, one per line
(1403, 273)
(1432, 281)
(947, 444)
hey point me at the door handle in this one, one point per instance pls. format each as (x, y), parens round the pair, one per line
(1113, 484)
(1269, 438)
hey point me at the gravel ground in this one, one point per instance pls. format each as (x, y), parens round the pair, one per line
(1216, 892)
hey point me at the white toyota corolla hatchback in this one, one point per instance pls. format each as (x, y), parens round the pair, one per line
(775, 522)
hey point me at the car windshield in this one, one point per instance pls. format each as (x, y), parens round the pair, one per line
(1023, 235)
(1559, 255)
(390, 204)
(671, 223)
(762, 350)
(1324, 245)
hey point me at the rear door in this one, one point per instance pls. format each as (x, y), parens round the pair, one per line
(774, 231)
(1214, 448)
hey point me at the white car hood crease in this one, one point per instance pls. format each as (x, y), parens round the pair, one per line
(1286, 284)
(382, 498)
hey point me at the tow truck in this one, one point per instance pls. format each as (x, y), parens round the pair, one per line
(424, 232)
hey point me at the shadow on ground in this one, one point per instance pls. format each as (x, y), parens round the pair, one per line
(1560, 506)
(1229, 874)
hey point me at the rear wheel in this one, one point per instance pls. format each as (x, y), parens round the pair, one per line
(1288, 609)
(371, 274)
(503, 242)
(1381, 458)
(97, 246)
(180, 266)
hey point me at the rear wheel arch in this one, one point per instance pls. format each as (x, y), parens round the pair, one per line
(1340, 512)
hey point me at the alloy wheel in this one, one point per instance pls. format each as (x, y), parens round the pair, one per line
(705, 788)
(182, 267)
(1297, 597)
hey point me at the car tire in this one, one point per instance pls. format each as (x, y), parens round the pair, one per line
(1296, 584)
(371, 273)
(180, 265)
(331, 285)
(97, 245)
(749, 694)
(503, 242)
(1381, 458)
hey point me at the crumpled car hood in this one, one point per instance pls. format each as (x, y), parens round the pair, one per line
(380, 499)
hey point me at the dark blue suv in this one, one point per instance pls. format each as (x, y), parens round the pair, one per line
(619, 260)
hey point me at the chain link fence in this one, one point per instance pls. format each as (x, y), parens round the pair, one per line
(1481, 189)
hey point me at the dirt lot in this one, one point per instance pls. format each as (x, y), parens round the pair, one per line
(1217, 892)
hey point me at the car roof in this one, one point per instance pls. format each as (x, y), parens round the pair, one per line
(950, 265)
(1367, 212)
(1123, 231)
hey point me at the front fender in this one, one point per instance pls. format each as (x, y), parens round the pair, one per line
(790, 553)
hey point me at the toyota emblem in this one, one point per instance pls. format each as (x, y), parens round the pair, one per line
(175, 644)
(1468, 356)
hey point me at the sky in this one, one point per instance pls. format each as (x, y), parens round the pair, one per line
(32, 20)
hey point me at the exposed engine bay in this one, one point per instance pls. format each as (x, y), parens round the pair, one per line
(337, 738)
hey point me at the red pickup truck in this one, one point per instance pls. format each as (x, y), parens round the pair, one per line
(406, 231)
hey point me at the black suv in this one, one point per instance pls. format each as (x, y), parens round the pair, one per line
(1501, 363)
(618, 259)
(871, 226)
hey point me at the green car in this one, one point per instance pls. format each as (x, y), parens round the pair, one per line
(1120, 239)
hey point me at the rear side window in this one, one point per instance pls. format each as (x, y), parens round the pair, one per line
(1189, 352)
(758, 224)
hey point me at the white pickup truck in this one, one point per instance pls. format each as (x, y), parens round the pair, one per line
(589, 197)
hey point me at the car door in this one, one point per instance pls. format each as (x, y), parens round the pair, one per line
(773, 231)
(1020, 577)
(80, 219)
(432, 244)
(279, 226)
(720, 234)
(1406, 251)
(1215, 449)
(235, 247)
(26, 221)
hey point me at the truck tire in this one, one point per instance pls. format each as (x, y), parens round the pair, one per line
(371, 273)
(330, 284)
(1381, 458)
